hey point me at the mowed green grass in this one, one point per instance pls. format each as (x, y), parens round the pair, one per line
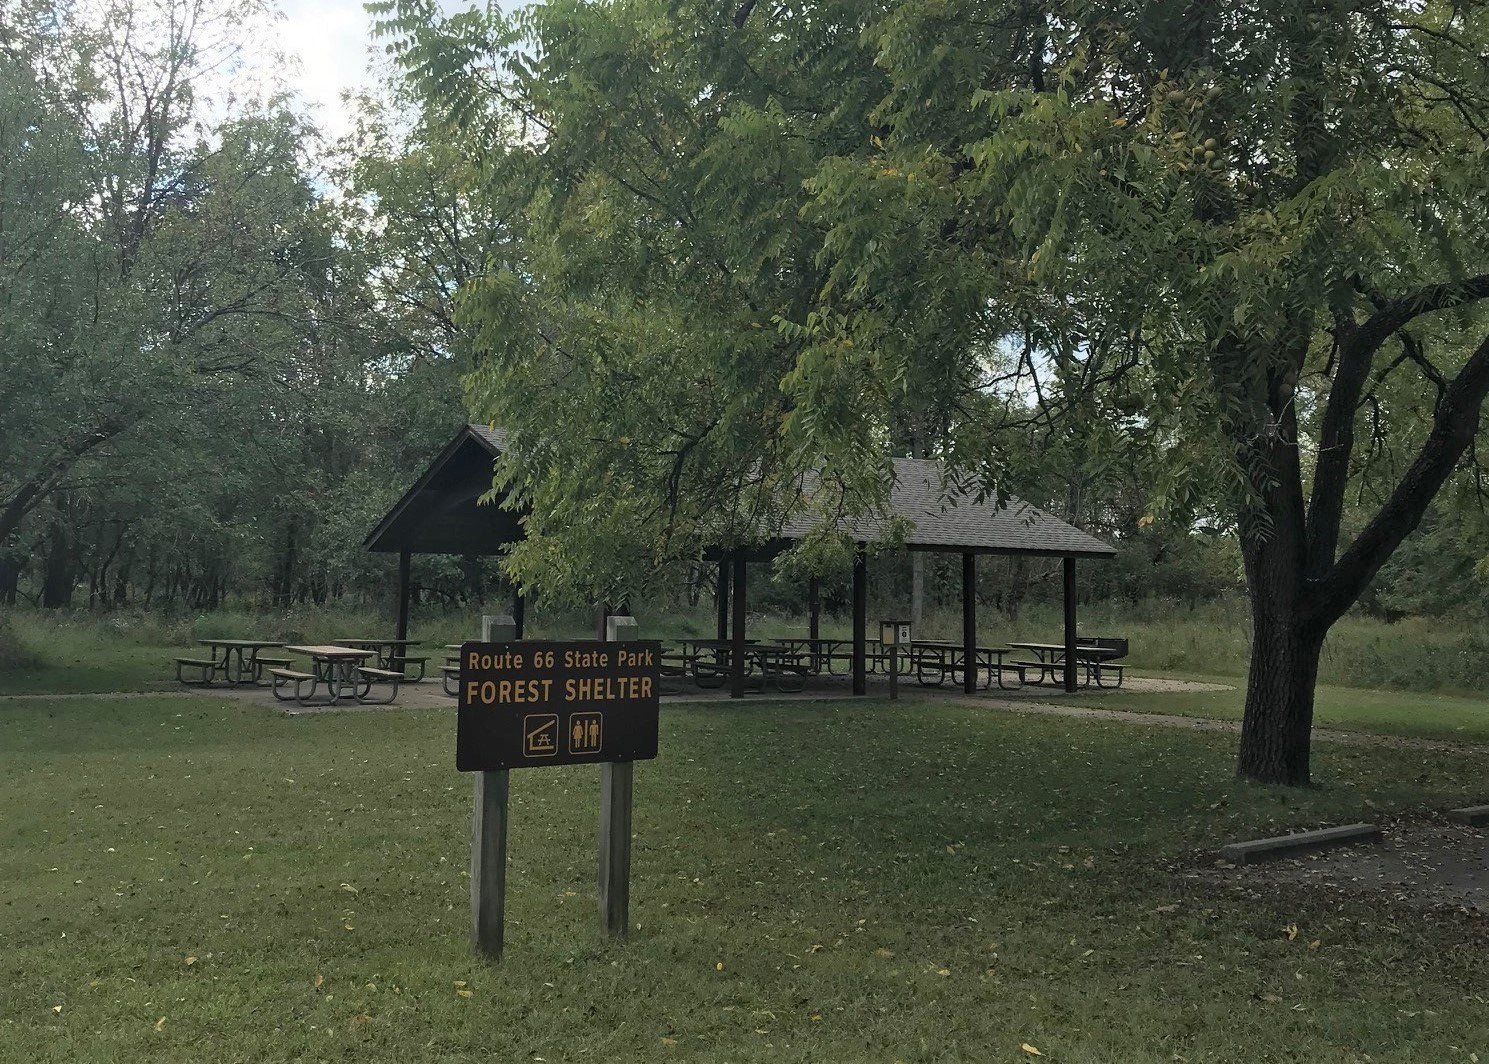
(1408, 713)
(82, 662)
(186, 880)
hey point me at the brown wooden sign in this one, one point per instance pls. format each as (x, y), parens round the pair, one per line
(530, 703)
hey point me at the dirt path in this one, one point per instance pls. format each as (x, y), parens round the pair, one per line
(1166, 720)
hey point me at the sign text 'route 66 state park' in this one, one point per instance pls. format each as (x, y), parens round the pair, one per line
(532, 703)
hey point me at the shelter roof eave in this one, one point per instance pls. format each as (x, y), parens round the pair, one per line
(379, 539)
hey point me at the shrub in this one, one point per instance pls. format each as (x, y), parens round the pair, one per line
(15, 656)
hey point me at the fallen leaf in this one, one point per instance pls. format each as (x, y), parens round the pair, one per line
(190, 961)
(348, 926)
(361, 1020)
(669, 1041)
(348, 888)
(1292, 932)
(319, 980)
(56, 1008)
(943, 971)
(465, 993)
(160, 1024)
(1272, 999)
(719, 967)
(885, 953)
(1031, 1050)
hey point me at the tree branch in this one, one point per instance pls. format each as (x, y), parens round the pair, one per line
(1453, 429)
(1358, 345)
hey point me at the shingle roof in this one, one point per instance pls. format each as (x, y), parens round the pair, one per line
(944, 514)
(439, 512)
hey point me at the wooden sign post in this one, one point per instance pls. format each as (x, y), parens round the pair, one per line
(894, 635)
(615, 820)
(488, 835)
(530, 704)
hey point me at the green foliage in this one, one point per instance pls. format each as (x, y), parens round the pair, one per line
(635, 353)
(15, 656)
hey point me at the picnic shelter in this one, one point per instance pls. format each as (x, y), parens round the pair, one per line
(441, 513)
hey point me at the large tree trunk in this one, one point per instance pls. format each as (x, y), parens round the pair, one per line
(1285, 639)
(59, 573)
(10, 578)
(1278, 723)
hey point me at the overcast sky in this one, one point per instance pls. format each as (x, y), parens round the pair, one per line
(330, 42)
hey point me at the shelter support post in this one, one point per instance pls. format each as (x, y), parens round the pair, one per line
(401, 624)
(737, 646)
(814, 619)
(860, 621)
(969, 621)
(721, 598)
(519, 612)
(1070, 662)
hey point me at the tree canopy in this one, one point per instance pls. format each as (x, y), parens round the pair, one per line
(1220, 241)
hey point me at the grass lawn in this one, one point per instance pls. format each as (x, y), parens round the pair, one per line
(186, 880)
(1413, 713)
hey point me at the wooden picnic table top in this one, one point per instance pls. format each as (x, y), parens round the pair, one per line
(1059, 648)
(331, 650)
(378, 642)
(946, 644)
(246, 644)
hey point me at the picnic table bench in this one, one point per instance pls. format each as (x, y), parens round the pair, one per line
(239, 663)
(1093, 660)
(392, 655)
(710, 663)
(935, 660)
(340, 670)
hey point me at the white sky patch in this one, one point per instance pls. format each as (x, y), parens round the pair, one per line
(330, 49)
(328, 44)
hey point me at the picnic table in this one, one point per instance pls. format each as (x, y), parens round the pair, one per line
(338, 669)
(392, 654)
(824, 652)
(709, 662)
(819, 652)
(1050, 660)
(239, 662)
(944, 658)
